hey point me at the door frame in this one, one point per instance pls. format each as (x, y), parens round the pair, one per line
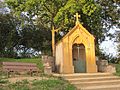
(81, 62)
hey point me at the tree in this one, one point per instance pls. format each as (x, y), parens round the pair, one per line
(118, 40)
(8, 35)
(97, 16)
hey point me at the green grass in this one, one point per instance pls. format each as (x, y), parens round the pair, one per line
(2, 81)
(50, 84)
(25, 60)
(118, 69)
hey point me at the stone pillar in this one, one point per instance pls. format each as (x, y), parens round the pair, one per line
(52, 63)
(49, 64)
(102, 65)
(47, 68)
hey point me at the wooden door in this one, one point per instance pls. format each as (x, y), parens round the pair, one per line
(79, 58)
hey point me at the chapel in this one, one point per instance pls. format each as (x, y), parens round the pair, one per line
(75, 52)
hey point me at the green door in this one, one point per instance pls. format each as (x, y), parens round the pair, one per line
(79, 58)
(79, 66)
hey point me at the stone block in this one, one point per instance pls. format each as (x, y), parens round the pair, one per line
(103, 62)
(48, 60)
(110, 69)
(101, 68)
(48, 70)
(44, 57)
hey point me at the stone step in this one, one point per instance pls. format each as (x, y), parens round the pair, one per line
(96, 83)
(101, 87)
(93, 79)
(83, 75)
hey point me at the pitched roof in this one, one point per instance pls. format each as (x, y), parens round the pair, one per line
(73, 29)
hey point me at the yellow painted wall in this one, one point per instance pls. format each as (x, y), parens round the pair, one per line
(59, 58)
(78, 35)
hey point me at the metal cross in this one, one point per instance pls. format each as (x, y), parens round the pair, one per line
(77, 16)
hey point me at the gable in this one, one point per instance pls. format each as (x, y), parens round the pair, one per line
(81, 30)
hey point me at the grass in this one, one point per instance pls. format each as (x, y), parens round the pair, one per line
(25, 60)
(50, 84)
(2, 81)
(118, 69)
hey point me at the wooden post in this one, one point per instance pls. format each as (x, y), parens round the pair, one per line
(53, 39)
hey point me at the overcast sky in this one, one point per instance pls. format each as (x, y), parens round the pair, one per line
(109, 46)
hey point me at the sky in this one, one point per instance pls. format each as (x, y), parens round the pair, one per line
(109, 46)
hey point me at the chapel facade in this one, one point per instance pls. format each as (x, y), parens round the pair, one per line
(75, 52)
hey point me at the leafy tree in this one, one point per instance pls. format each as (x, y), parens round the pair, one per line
(97, 16)
(8, 35)
(118, 40)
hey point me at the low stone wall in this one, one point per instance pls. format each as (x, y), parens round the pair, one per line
(103, 66)
(110, 68)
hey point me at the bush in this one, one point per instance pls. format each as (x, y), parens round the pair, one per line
(118, 69)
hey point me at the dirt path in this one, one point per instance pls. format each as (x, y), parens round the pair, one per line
(16, 79)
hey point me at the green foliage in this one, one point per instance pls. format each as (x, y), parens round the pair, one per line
(118, 69)
(21, 35)
(89, 8)
(53, 84)
(73, 6)
(118, 41)
(18, 86)
(97, 16)
(2, 81)
(55, 11)
(8, 35)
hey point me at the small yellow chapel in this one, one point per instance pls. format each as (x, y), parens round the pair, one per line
(75, 52)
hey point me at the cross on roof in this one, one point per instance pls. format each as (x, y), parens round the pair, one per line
(77, 16)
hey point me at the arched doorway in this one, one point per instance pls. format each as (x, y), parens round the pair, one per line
(79, 58)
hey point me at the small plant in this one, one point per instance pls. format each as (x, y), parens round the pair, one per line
(117, 70)
(52, 84)
(20, 85)
(25, 81)
(2, 81)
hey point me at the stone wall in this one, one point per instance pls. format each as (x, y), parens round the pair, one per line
(104, 66)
